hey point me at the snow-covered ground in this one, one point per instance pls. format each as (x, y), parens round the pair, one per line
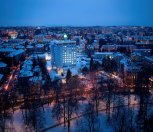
(79, 122)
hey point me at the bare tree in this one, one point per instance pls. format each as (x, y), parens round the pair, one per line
(91, 117)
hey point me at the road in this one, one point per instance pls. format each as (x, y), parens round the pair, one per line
(112, 76)
(11, 78)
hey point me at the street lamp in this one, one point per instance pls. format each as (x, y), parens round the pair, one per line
(65, 36)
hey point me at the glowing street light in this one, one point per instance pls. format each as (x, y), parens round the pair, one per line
(49, 69)
(65, 36)
(6, 87)
(47, 57)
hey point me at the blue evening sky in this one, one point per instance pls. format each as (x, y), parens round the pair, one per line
(76, 12)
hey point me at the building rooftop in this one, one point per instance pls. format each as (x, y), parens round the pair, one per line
(15, 53)
(26, 74)
(133, 68)
(35, 79)
(29, 47)
(28, 62)
(2, 64)
(20, 47)
(40, 45)
(149, 58)
(37, 69)
(53, 75)
(65, 42)
(7, 50)
(103, 53)
(26, 67)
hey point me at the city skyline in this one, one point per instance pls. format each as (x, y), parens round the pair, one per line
(76, 66)
(76, 13)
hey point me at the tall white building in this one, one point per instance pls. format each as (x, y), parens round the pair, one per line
(63, 53)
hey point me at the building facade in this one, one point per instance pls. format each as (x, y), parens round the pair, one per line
(63, 53)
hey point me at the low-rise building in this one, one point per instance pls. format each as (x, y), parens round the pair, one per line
(129, 72)
(101, 55)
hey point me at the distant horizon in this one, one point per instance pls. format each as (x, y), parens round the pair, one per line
(77, 26)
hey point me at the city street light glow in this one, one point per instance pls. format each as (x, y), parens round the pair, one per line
(6, 87)
(65, 36)
(47, 57)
